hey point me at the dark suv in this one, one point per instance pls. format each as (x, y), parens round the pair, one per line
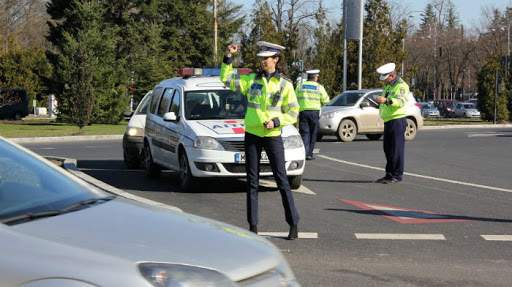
(13, 104)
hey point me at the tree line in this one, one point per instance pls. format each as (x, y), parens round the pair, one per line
(96, 54)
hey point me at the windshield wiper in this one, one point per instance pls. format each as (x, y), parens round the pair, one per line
(29, 216)
(85, 203)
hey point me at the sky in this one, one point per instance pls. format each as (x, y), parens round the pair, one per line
(470, 11)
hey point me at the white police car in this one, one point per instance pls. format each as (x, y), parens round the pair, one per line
(194, 125)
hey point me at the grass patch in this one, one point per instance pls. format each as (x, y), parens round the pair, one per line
(45, 129)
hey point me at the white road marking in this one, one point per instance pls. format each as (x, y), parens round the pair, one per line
(47, 148)
(272, 184)
(482, 135)
(96, 146)
(397, 236)
(421, 176)
(497, 237)
(302, 235)
(316, 150)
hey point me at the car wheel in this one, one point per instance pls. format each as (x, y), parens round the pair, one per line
(17, 116)
(131, 161)
(187, 180)
(347, 130)
(410, 130)
(295, 181)
(374, 137)
(152, 169)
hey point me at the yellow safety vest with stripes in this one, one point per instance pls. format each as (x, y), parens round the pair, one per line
(311, 96)
(266, 100)
(396, 105)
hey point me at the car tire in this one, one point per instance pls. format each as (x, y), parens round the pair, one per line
(347, 130)
(374, 137)
(17, 116)
(152, 169)
(131, 161)
(410, 130)
(295, 181)
(187, 181)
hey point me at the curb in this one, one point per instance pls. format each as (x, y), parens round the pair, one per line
(71, 166)
(66, 139)
(488, 126)
(119, 137)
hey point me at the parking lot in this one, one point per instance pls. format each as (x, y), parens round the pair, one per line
(447, 224)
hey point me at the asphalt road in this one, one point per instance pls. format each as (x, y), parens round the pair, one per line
(433, 229)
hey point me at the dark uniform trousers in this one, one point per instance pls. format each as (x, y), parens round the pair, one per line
(308, 128)
(394, 143)
(275, 150)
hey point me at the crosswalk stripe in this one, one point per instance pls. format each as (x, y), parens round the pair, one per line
(396, 236)
(497, 237)
(302, 235)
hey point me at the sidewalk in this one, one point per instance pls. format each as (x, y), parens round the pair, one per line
(119, 137)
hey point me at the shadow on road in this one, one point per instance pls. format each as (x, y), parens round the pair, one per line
(115, 173)
(420, 215)
(338, 180)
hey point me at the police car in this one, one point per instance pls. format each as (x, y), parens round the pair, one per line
(195, 126)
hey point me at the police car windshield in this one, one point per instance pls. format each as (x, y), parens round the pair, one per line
(346, 99)
(214, 104)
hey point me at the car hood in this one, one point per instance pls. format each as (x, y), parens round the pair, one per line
(473, 111)
(136, 232)
(327, 109)
(228, 128)
(137, 121)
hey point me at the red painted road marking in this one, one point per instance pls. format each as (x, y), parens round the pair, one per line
(403, 215)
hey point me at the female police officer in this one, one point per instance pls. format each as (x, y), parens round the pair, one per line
(272, 104)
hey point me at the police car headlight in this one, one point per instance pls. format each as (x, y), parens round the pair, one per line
(292, 142)
(207, 143)
(174, 275)
(135, 132)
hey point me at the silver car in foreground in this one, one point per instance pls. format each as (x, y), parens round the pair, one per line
(466, 110)
(59, 231)
(356, 112)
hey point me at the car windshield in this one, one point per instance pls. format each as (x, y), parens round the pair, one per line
(346, 99)
(214, 104)
(143, 105)
(31, 186)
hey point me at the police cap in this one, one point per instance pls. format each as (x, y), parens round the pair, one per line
(386, 70)
(268, 49)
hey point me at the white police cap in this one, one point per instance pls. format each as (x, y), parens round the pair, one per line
(269, 49)
(385, 70)
(313, 72)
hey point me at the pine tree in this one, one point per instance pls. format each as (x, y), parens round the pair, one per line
(85, 66)
(487, 92)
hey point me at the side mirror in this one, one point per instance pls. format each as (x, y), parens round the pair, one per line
(364, 104)
(170, 117)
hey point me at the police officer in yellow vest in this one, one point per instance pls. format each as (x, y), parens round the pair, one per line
(392, 109)
(271, 105)
(312, 96)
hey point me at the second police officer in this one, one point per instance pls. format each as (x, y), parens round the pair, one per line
(271, 104)
(311, 96)
(392, 110)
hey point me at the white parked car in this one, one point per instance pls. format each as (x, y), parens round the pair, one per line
(466, 110)
(133, 138)
(195, 126)
(356, 112)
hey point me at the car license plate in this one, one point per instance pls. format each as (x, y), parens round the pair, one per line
(240, 157)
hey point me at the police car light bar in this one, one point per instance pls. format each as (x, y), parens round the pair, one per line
(207, 72)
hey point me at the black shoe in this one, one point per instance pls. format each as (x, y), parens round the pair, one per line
(383, 180)
(393, 180)
(253, 228)
(294, 233)
(309, 157)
